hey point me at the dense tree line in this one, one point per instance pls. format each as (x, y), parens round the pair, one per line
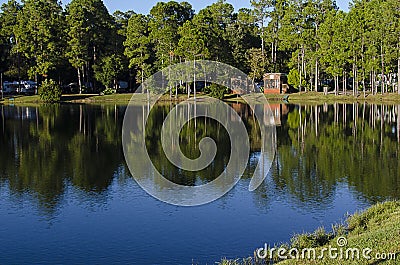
(312, 40)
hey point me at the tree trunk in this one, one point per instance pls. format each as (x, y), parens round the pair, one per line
(354, 79)
(83, 75)
(362, 66)
(94, 85)
(275, 55)
(299, 70)
(334, 85)
(300, 81)
(316, 75)
(143, 88)
(262, 41)
(374, 81)
(194, 78)
(302, 66)
(169, 72)
(303, 63)
(370, 81)
(383, 71)
(398, 123)
(272, 53)
(337, 84)
(357, 81)
(79, 81)
(398, 75)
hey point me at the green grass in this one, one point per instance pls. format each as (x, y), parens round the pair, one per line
(320, 98)
(88, 98)
(20, 99)
(377, 228)
(299, 98)
(317, 97)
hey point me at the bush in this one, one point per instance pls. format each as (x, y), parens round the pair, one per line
(108, 91)
(294, 79)
(50, 91)
(216, 91)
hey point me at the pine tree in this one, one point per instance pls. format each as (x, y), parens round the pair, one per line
(39, 35)
(137, 46)
(8, 20)
(164, 22)
(89, 29)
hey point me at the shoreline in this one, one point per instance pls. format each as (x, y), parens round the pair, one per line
(377, 229)
(306, 98)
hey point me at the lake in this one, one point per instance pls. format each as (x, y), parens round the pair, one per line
(67, 196)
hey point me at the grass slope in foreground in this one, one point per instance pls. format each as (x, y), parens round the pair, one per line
(378, 228)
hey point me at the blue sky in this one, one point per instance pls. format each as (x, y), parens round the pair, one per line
(144, 6)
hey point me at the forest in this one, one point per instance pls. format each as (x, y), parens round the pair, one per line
(312, 41)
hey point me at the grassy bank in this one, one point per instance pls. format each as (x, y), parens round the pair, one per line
(377, 228)
(297, 98)
(315, 97)
(85, 99)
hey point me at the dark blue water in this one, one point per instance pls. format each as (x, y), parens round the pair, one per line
(89, 210)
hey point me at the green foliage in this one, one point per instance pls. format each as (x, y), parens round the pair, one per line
(380, 226)
(137, 46)
(8, 19)
(39, 35)
(212, 24)
(108, 70)
(216, 91)
(293, 120)
(311, 37)
(89, 30)
(360, 221)
(192, 43)
(294, 79)
(108, 91)
(317, 239)
(257, 64)
(165, 20)
(50, 91)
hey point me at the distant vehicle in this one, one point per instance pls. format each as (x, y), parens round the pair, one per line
(25, 87)
(28, 87)
(259, 86)
(123, 86)
(10, 87)
(71, 88)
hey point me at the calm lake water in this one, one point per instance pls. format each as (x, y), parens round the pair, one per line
(66, 194)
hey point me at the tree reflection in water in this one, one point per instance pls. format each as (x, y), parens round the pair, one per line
(45, 149)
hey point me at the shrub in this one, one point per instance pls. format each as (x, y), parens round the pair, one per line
(50, 91)
(108, 91)
(216, 91)
(294, 79)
